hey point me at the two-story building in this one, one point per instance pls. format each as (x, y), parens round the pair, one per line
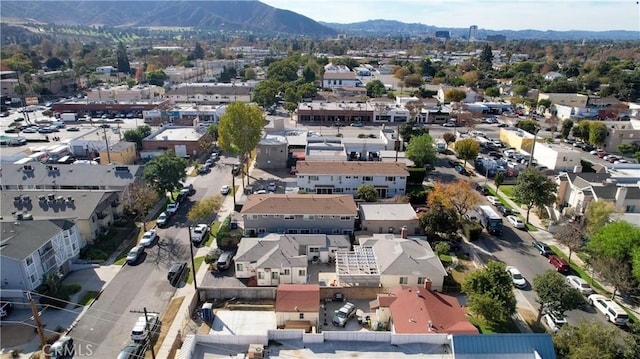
(299, 214)
(30, 249)
(271, 261)
(184, 141)
(340, 79)
(388, 178)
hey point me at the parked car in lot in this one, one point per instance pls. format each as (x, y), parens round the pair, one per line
(516, 222)
(516, 277)
(579, 284)
(542, 248)
(271, 187)
(493, 200)
(611, 310)
(561, 265)
(554, 321)
(148, 238)
(506, 211)
(172, 208)
(461, 170)
(134, 254)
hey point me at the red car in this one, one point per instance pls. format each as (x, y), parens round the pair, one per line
(601, 154)
(561, 265)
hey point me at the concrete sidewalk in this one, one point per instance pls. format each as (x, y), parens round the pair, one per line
(544, 236)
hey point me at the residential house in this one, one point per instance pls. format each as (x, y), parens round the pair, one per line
(388, 178)
(388, 218)
(299, 214)
(418, 310)
(388, 261)
(297, 306)
(32, 248)
(106, 70)
(552, 75)
(271, 260)
(577, 190)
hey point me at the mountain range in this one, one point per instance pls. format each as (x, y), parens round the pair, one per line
(247, 16)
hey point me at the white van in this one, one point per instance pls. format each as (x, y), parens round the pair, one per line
(611, 310)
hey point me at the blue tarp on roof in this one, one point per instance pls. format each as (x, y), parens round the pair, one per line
(500, 344)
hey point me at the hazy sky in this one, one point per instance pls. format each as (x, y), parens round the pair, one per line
(487, 14)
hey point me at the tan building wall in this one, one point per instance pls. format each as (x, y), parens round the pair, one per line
(568, 99)
(513, 139)
(194, 148)
(124, 153)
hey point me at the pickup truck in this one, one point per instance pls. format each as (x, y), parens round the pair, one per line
(199, 233)
(172, 208)
(142, 329)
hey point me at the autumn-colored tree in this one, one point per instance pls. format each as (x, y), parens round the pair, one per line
(459, 195)
(571, 236)
(597, 215)
(455, 95)
(204, 209)
(449, 137)
(139, 199)
(467, 149)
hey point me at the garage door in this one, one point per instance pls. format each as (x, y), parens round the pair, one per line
(181, 150)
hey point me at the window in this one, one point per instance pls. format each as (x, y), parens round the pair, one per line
(390, 179)
(367, 178)
(262, 230)
(260, 275)
(239, 267)
(314, 250)
(309, 217)
(302, 272)
(275, 275)
(404, 280)
(33, 278)
(631, 208)
(421, 280)
(301, 315)
(29, 260)
(289, 217)
(313, 178)
(345, 218)
(287, 271)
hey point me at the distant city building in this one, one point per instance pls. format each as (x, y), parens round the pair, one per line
(473, 32)
(443, 35)
(496, 38)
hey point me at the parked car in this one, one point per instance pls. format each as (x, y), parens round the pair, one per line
(461, 170)
(342, 316)
(199, 232)
(134, 254)
(236, 169)
(482, 189)
(506, 211)
(271, 187)
(163, 220)
(516, 222)
(145, 327)
(148, 238)
(543, 248)
(554, 321)
(516, 277)
(73, 129)
(357, 124)
(579, 284)
(561, 265)
(260, 191)
(176, 272)
(454, 163)
(449, 124)
(493, 200)
(204, 169)
(30, 130)
(172, 208)
(611, 310)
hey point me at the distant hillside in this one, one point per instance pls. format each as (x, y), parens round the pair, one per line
(251, 16)
(397, 28)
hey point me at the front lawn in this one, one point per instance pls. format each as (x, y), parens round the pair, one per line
(486, 328)
(198, 261)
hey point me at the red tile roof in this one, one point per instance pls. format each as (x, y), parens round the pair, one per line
(414, 307)
(298, 298)
(311, 204)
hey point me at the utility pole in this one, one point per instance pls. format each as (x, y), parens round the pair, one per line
(193, 265)
(146, 319)
(106, 140)
(36, 318)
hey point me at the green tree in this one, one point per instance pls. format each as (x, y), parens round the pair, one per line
(122, 59)
(368, 193)
(554, 293)
(20, 89)
(156, 77)
(455, 95)
(413, 80)
(51, 281)
(546, 103)
(240, 128)
(283, 71)
(597, 132)
(533, 188)
(566, 128)
(420, 150)
(137, 135)
(265, 92)
(492, 92)
(204, 209)
(589, 339)
(166, 171)
(627, 148)
(614, 271)
(498, 180)
(530, 126)
(581, 130)
(617, 240)
(249, 74)
(442, 248)
(597, 215)
(439, 219)
(490, 293)
(375, 89)
(486, 58)
(308, 74)
(467, 149)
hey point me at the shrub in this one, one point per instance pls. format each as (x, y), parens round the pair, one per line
(472, 230)
(93, 253)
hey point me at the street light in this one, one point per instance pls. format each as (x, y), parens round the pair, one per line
(193, 264)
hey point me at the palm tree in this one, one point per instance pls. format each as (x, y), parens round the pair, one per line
(52, 282)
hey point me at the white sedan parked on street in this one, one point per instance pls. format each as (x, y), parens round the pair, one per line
(516, 277)
(579, 284)
(148, 238)
(493, 200)
(516, 222)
